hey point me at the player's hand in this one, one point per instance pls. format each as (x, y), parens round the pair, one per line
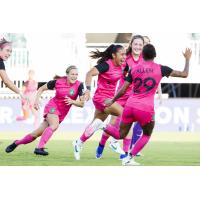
(108, 102)
(87, 95)
(68, 101)
(37, 104)
(187, 54)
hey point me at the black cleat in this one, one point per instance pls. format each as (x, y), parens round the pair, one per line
(10, 148)
(41, 151)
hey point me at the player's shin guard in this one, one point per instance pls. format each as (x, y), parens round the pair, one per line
(27, 139)
(104, 139)
(112, 131)
(126, 144)
(46, 135)
(89, 131)
(137, 133)
(139, 145)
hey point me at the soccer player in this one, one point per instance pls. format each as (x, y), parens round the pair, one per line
(137, 130)
(146, 77)
(133, 58)
(67, 88)
(30, 91)
(109, 71)
(5, 53)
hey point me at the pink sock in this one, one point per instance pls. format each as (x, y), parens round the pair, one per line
(87, 133)
(27, 139)
(48, 132)
(104, 139)
(139, 145)
(112, 131)
(126, 144)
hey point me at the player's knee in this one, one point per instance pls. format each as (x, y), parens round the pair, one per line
(36, 135)
(148, 133)
(54, 127)
(122, 134)
(148, 129)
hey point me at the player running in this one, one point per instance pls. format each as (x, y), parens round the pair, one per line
(67, 88)
(146, 77)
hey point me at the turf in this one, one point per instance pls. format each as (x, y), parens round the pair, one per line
(163, 150)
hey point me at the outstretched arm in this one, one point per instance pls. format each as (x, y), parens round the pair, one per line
(8, 82)
(121, 92)
(39, 93)
(183, 74)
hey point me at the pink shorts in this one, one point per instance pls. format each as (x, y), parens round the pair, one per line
(131, 115)
(122, 102)
(52, 109)
(99, 105)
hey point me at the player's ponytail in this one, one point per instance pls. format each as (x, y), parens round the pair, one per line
(105, 55)
(56, 77)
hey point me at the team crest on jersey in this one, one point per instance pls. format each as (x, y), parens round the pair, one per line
(71, 92)
(52, 110)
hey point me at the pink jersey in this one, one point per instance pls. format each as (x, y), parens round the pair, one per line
(131, 63)
(57, 105)
(31, 86)
(107, 82)
(146, 77)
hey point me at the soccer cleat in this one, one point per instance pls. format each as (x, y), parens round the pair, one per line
(115, 146)
(10, 148)
(122, 156)
(129, 161)
(99, 151)
(41, 151)
(77, 148)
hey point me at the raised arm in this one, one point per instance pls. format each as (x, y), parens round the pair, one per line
(121, 92)
(183, 74)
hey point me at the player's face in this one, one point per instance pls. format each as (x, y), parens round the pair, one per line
(31, 74)
(146, 40)
(73, 75)
(120, 56)
(5, 52)
(137, 46)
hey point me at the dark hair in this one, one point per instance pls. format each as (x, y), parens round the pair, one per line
(107, 54)
(67, 72)
(129, 49)
(3, 43)
(149, 52)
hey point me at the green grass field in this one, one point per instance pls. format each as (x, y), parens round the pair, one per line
(174, 149)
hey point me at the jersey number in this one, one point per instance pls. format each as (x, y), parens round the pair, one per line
(149, 83)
